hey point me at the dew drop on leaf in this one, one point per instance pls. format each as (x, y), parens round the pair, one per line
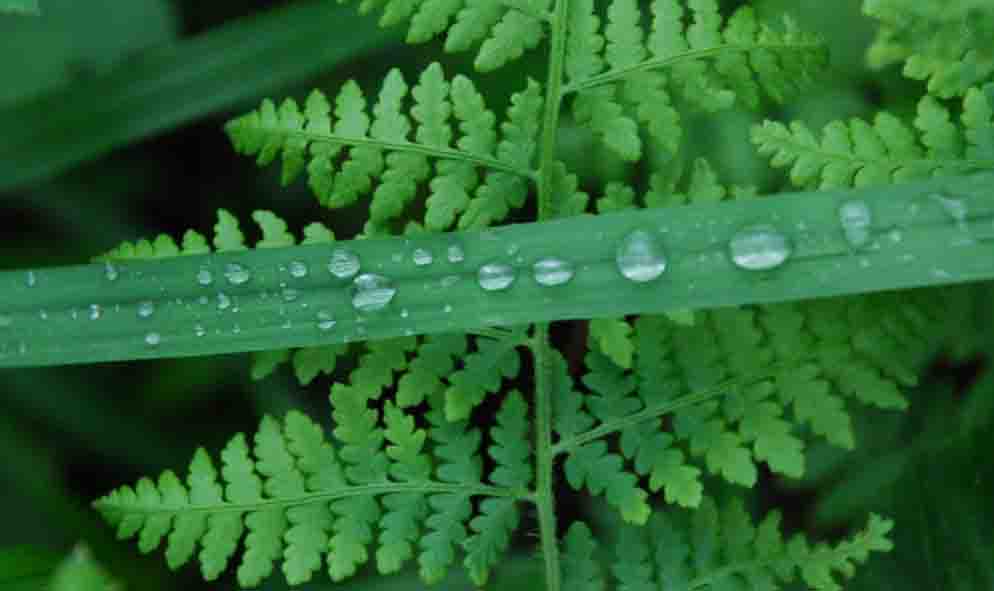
(110, 271)
(289, 294)
(205, 277)
(495, 276)
(96, 312)
(146, 309)
(223, 301)
(422, 257)
(236, 274)
(326, 321)
(371, 292)
(456, 254)
(5, 321)
(31, 280)
(298, 269)
(343, 264)
(199, 330)
(551, 272)
(640, 258)
(153, 339)
(856, 220)
(759, 248)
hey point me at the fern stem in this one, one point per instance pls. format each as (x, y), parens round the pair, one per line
(544, 458)
(666, 62)
(330, 495)
(423, 149)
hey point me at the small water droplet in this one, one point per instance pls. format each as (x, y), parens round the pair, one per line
(74, 313)
(408, 332)
(372, 292)
(199, 330)
(447, 308)
(110, 271)
(236, 329)
(422, 257)
(223, 301)
(22, 348)
(551, 272)
(456, 254)
(202, 300)
(43, 314)
(289, 294)
(856, 220)
(96, 312)
(31, 280)
(343, 264)
(759, 248)
(236, 274)
(5, 321)
(404, 313)
(205, 277)
(153, 339)
(146, 309)
(298, 269)
(496, 276)
(448, 281)
(640, 258)
(512, 249)
(326, 321)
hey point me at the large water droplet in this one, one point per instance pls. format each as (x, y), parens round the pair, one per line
(856, 220)
(759, 248)
(146, 309)
(640, 258)
(110, 271)
(96, 312)
(553, 272)
(326, 321)
(205, 277)
(343, 264)
(236, 274)
(455, 254)
(422, 257)
(372, 292)
(298, 269)
(496, 276)
(153, 339)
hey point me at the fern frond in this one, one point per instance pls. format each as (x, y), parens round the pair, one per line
(482, 373)
(859, 154)
(622, 75)
(723, 549)
(946, 43)
(503, 29)
(580, 568)
(300, 500)
(348, 154)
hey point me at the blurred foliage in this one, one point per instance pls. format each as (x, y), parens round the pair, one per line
(138, 90)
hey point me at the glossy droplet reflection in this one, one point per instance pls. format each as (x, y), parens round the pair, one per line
(759, 248)
(422, 257)
(298, 269)
(236, 274)
(110, 271)
(856, 221)
(326, 321)
(456, 254)
(551, 272)
(640, 257)
(344, 264)
(146, 309)
(495, 276)
(371, 292)
(205, 277)
(153, 339)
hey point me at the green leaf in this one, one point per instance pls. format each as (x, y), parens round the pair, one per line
(614, 339)
(580, 568)
(25, 7)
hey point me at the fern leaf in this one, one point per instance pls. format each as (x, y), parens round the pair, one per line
(857, 153)
(499, 517)
(613, 337)
(343, 152)
(933, 42)
(602, 472)
(482, 373)
(434, 361)
(579, 567)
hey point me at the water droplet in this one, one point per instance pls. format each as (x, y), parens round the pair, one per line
(205, 277)
(422, 257)
(640, 258)
(5, 321)
(759, 248)
(22, 348)
(325, 320)
(236, 329)
(96, 312)
(495, 276)
(202, 300)
(199, 330)
(372, 292)
(449, 281)
(455, 254)
(856, 220)
(344, 263)
(43, 314)
(110, 271)
(447, 308)
(550, 272)
(74, 313)
(153, 339)
(146, 309)
(404, 313)
(236, 274)
(31, 280)
(512, 249)
(289, 294)
(298, 269)
(223, 301)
